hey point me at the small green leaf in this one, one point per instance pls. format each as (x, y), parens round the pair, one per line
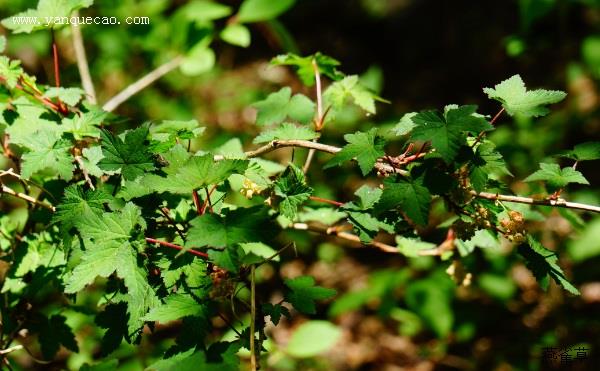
(517, 100)
(365, 147)
(199, 59)
(204, 10)
(411, 247)
(350, 88)
(303, 293)
(291, 190)
(236, 34)
(555, 177)
(275, 311)
(544, 264)
(262, 10)
(313, 338)
(405, 125)
(176, 306)
(84, 124)
(51, 152)
(326, 65)
(287, 131)
(408, 195)
(280, 105)
(70, 96)
(54, 10)
(584, 152)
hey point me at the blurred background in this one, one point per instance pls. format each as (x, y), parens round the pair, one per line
(395, 313)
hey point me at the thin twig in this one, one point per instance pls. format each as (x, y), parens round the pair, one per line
(141, 84)
(196, 199)
(531, 201)
(176, 247)
(23, 196)
(478, 139)
(86, 176)
(11, 349)
(344, 235)
(319, 118)
(327, 201)
(252, 318)
(82, 62)
(165, 213)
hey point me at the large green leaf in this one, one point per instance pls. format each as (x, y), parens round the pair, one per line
(555, 177)
(544, 265)
(130, 156)
(280, 105)
(517, 100)
(313, 338)
(447, 132)
(407, 195)
(291, 190)
(236, 226)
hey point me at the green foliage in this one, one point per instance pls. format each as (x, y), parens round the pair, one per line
(544, 265)
(305, 68)
(291, 190)
(47, 12)
(116, 232)
(280, 105)
(366, 148)
(446, 132)
(303, 293)
(312, 338)
(555, 177)
(517, 100)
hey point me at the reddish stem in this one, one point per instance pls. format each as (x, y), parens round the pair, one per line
(207, 200)
(331, 202)
(176, 247)
(56, 65)
(197, 202)
(497, 116)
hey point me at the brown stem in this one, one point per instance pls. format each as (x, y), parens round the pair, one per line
(165, 213)
(331, 202)
(176, 247)
(196, 199)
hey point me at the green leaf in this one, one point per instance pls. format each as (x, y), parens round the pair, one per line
(203, 10)
(46, 10)
(2, 45)
(411, 247)
(130, 156)
(544, 264)
(236, 34)
(287, 131)
(262, 10)
(230, 258)
(303, 293)
(291, 190)
(280, 105)
(587, 244)
(555, 177)
(366, 225)
(84, 124)
(10, 71)
(324, 215)
(70, 96)
(305, 69)
(275, 311)
(55, 332)
(447, 133)
(408, 195)
(236, 226)
(176, 306)
(195, 172)
(91, 158)
(517, 100)
(198, 60)
(486, 161)
(50, 152)
(313, 338)
(365, 147)
(367, 197)
(109, 250)
(350, 88)
(431, 299)
(584, 152)
(77, 204)
(405, 125)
